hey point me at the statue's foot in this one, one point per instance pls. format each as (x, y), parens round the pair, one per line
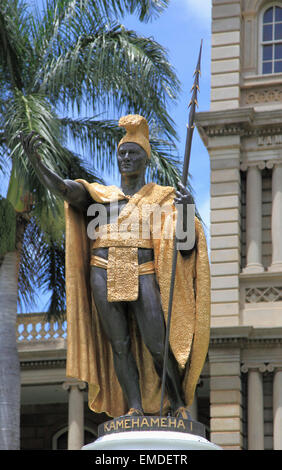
(183, 412)
(134, 412)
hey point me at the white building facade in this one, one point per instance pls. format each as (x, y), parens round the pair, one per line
(243, 135)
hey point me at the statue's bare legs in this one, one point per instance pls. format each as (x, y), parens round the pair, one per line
(150, 320)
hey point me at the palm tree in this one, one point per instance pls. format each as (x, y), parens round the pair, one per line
(63, 69)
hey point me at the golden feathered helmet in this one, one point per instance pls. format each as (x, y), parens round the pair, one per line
(137, 131)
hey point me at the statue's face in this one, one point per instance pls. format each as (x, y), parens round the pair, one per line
(132, 159)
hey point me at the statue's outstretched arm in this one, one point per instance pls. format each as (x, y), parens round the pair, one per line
(71, 191)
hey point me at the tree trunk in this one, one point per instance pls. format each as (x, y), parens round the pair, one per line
(9, 361)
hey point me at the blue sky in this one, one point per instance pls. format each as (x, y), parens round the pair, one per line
(180, 30)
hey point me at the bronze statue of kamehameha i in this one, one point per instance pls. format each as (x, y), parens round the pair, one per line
(117, 324)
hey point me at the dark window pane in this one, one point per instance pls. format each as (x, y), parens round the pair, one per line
(267, 32)
(268, 16)
(278, 66)
(278, 51)
(278, 31)
(278, 14)
(267, 52)
(267, 67)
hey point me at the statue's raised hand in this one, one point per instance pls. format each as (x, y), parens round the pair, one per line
(185, 220)
(71, 191)
(183, 196)
(31, 144)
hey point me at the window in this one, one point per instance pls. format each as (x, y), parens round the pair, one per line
(272, 40)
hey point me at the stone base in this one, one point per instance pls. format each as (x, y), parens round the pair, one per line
(253, 268)
(275, 268)
(151, 433)
(151, 440)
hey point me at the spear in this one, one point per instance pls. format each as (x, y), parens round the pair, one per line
(190, 129)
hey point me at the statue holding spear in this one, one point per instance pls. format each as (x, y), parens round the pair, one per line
(126, 331)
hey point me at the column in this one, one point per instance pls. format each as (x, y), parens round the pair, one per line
(253, 219)
(255, 410)
(276, 216)
(76, 414)
(225, 229)
(225, 55)
(277, 410)
(226, 424)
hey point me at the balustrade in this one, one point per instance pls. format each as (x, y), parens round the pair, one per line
(35, 327)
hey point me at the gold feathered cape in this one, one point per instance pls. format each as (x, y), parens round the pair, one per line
(89, 354)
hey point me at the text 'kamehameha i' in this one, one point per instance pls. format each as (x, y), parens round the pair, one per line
(151, 423)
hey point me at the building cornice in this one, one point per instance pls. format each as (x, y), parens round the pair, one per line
(245, 337)
(43, 364)
(245, 122)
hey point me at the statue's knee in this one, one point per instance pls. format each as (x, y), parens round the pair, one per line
(122, 347)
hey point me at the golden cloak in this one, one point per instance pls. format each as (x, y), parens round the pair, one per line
(89, 354)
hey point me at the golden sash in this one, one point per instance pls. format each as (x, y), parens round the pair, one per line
(123, 272)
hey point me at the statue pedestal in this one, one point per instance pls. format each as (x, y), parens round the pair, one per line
(151, 433)
(151, 440)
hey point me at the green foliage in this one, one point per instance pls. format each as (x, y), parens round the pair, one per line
(7, 227)
(43, 266)
(74, 57)
(64, 68)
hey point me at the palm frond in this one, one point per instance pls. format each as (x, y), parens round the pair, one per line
(52, 276)
(113, 69)
(164, 165)
(145, 9)
(16, 52)
(42, 267)
(9, 55)
(3, 158)
(29, 265)
(26, 114)
(96, 138)
(99, 139)
(65, 20)
(77, 167)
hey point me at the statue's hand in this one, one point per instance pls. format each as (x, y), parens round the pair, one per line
(185, 220)
(31, 144)
(183, 196)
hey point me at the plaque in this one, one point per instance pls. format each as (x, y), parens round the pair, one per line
(151, 423)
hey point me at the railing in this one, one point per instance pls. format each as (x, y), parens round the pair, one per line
(34, 327)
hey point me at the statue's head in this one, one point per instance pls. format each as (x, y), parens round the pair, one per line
(134, 149)
(132, 159)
